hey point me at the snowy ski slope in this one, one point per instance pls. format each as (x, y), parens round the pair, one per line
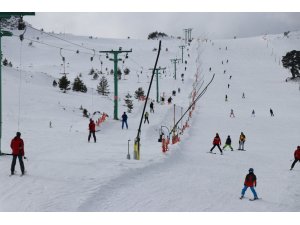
(66, 173)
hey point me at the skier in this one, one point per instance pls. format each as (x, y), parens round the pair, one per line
(146, 117)
(209, 69)
(124, 120)
(228, 143)
(151, 107)
(170, 100)
(231, 113)
(224, 71)
(228, 85)
(92, 129)
(50, 124)
(226, 99)
(227, 59)
(222, 62)
(253, 113)
(250, 181)
(242, 141)
(162, 100)
(230, 77)
(17, 146)
(216, 142)
(271, 112)
(243, 96)
(296, 156)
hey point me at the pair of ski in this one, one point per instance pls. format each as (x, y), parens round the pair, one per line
(213, 153)
(21, 175)
(251, 199)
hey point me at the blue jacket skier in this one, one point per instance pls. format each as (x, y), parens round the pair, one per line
(124, 120)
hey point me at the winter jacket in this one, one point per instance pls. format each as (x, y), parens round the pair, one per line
(17, 146)
(250, 180)
(297, 154)
(242, 137)
(92, 126)
(146, 115)
(151, 105)
(228, 141)
(124, 117)
(217, 141)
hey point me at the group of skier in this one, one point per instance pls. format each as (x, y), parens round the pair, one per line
(217, 143)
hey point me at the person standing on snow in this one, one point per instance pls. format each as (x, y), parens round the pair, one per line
(231, 113)
(226, 98)
(216, 142)
(151, 107)
(124, 120)
(250, 181)
(228, 143)
(271, 112)
(296, 156)
(92, 129)
(17, 146)
(253, 113)
(146, 117)
(242, 141)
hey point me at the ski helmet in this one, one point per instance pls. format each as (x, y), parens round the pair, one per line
(251, 170)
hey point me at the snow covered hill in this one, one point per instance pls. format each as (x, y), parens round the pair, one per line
(66, 173)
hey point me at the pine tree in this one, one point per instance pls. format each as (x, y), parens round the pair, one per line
(291, 61)
(128, 103)
(63, 83)
(95, 76)
(139, 93)
(102, 88)
(5, 62)
(78, 85)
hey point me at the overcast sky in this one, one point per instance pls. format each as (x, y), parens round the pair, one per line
(139, 25)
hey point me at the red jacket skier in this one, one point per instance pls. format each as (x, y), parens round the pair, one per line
(92, 126)
(297, 153)
(216, 142)
(17, 146)
(296, 156)
(250, 182)
(92, 129)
